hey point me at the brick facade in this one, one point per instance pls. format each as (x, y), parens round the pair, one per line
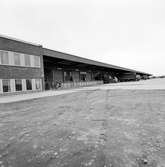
(21, 72)
(13, 72)
(18, 46)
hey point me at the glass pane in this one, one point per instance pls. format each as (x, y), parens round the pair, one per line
(18, 85)
(4, 57)
(38, 86)
(27, 60)
(17, 60)
(83, 77)
(1, 53)
(6, 85)
(68, 76)
(29, 84)
(36, 61)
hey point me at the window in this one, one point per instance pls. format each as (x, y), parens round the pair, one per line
(6, 85)
(17, 59)
(1, 90)
(83, 76)
(37, 84)
(27, 60)
(18, 85)
(29, 84)
(68, 76)
(4, 57)
(36, 61)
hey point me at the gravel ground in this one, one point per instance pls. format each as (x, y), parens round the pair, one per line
(96, 128)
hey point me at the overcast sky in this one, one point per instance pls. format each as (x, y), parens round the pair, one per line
(128, 33)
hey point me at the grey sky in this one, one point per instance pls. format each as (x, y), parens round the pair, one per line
(129, 33)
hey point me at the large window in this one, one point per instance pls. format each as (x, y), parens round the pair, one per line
(83, 76)
(68, 76)
(27, 60)
(6, 85)
(29, 84)
(37, 84)
(36, 61)
(17, 59)
(18, 85)
(4, 57)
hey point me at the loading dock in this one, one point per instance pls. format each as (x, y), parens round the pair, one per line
(32, 67)
(63, 73)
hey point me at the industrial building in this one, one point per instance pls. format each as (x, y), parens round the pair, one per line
(26, 67)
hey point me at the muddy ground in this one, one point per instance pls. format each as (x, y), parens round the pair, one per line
(96, 128)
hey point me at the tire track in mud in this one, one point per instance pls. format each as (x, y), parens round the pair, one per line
(102, 124)
(94, 134)
(89, 139)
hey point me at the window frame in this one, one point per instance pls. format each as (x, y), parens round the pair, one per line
(7, 85)
(27, 65)
(27, 85)
(39, 81)
(19, 59)
(38, 64)
(1, 87)
(16, 85)
(19, 55)
(1, 57)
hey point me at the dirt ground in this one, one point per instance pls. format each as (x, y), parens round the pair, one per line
(96, 128)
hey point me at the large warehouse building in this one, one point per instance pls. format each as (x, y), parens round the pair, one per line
(27, 67)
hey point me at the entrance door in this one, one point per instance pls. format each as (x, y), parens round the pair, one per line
(48, 79)
(57, 77)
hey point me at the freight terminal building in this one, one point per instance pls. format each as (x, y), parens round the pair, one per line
(26, 67)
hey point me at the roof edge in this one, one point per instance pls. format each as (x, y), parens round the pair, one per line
(113, 66)
(19, 40)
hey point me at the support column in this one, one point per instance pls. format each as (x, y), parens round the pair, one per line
(42, 72)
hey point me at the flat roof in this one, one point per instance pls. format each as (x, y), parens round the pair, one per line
(70, 57)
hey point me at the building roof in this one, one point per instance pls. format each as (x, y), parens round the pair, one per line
(70, 57)
(18, 40)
